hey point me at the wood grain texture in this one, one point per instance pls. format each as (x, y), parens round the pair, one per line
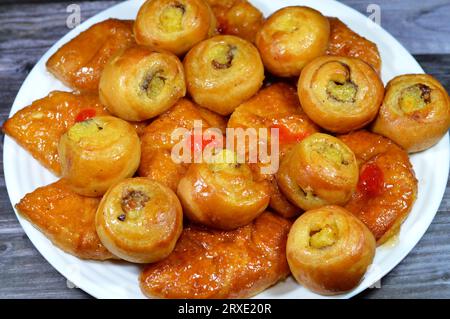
(29, 28)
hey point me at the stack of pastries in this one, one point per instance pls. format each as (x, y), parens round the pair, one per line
(227, 230)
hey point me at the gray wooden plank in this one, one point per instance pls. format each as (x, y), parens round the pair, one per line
(27, 31)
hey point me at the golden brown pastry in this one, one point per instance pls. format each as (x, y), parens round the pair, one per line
(346, 42)
(139, 220)
(340, 94)
(290, 38)
(66, 218)
(415, 112)
(222, 72)
(139, 83)
(237, 17)
(174, 25)
(39, 126)
(318, 171)
(97, 153)
(222, 194)
(80, 62)
(156, 142)
(387, 187)
(329, 250)
(222, 264)
(276, 106)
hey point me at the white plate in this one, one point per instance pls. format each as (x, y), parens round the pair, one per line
(120, 280)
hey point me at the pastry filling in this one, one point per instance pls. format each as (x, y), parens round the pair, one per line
(171, 18)
(323, 237)
(84, 129)
(332, 153)
(344, 92)
(415, 98)
(222, 56)
(132, 201)
(153, 84)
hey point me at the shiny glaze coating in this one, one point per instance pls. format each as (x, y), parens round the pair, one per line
(222, 72)
(156, 143)
(415, 112)
(329, 250)
(383, 214)
(340, 94)
(320, 170)
(290, 38)
(139, 220)
(39, 126)
(346, 42)
(66, 218)
(222, 264)
(138, 83)
(175, 26)
(97, 153)
(80, 62)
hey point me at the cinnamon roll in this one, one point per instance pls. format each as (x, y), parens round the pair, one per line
(174, 25)
(97, 153)
(415, 112)
(290, 38)
(318, 171)
(329, 250)
(139, 220)
(340, 94)
(139, 83)
(222, 72)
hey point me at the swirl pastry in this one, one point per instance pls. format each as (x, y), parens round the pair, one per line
(222, 72)
(174, 25)
(415, 112)
(39, 126)
(276, 106)
(290, 38)
(346, 42)
(66, 218)
(156, 161)
(318, 171)
(387, 187)
(139, 220)
(237, 17)
(139, 83)
(329, 250)
(340, 94)
(97, 153)
(208, 263)
(221, 194)
(80, 62)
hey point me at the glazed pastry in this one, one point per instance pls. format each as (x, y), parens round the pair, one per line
(210, 263)
(139, 220)
(222, 194)
(329, 250)
(138, 83)
(66, 218)
(387, 187)
(346, 42)
(276, 106)
(174, 25)
(97, 153)
(290, 38)
(415, 112)
(237, 17)
(222, 72)
(156, 161)
(340, 94)
(318, 171)
(39, 126)
(80, 62)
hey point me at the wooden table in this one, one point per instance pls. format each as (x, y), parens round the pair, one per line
(29, 28)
